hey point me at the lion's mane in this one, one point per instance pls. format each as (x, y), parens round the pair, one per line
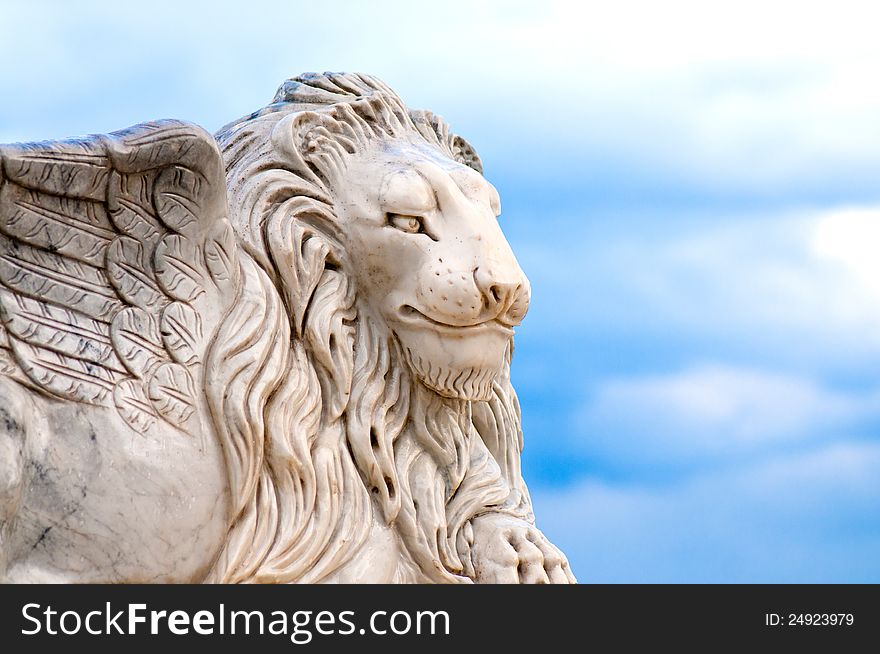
(321, 423)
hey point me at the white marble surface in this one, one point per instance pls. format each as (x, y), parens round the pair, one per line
(276, 354)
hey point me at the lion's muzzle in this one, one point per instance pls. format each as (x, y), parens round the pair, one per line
(480, 291)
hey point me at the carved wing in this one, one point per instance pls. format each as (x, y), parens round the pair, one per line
(115, 254)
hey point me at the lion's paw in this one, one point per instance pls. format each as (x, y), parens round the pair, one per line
(506, 550)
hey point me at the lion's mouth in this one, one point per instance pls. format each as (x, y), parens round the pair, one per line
(410, 314)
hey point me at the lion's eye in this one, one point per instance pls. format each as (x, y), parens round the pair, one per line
(408, 224)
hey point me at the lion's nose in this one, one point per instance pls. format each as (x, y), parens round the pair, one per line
(504, 297)
(487, 292)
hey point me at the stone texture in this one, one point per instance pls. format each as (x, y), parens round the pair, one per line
(276, 354)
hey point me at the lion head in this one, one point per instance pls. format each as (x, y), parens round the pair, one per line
(362, 375)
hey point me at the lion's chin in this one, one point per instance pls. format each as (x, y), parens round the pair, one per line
(458, 363)
(468, 383)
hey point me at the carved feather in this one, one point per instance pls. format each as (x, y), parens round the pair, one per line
(79, 229)
(57, 279)
(76, 168)
(135, 336)
(134, 406)
(130, 270)
(177, 268)
(171, 392)
(66, 331)
(129, 203)
(68, 377)
(181, 329)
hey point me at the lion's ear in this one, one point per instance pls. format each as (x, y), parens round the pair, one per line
(434, 128)
(317, 137)
(464, 153)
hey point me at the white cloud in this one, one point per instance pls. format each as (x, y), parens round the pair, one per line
(723, 402)
(850, 237)
(767, 271)
(799, 286)
(813, 516)
(747, 97)
(709, 413)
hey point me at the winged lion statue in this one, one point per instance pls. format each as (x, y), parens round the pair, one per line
(275, 354)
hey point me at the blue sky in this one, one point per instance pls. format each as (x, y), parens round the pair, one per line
(693, 192)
